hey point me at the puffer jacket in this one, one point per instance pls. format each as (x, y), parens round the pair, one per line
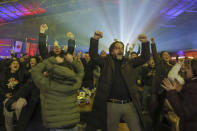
(58, 92)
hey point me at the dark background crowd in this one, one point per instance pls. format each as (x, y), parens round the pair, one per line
(163, 104)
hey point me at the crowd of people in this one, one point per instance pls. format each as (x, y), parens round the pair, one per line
(144, 89)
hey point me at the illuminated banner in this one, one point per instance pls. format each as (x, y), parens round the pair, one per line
(33, 49)
(5, 46)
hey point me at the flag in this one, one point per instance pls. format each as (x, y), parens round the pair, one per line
(27, 47)
(33, 48)
(18, 46)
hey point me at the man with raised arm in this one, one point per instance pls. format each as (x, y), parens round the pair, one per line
(116, 94)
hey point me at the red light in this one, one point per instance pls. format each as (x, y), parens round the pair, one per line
(32, 38)
(34, 12)
(40, 10)
(28, 13)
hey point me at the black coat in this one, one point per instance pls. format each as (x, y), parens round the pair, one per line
(88, 77)
(162, 70)
(158, 94)
(31, 113)
(71, 46)
(97, 117)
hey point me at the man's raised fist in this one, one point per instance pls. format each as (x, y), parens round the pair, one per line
(98, 35)
(43, 28)
(142, 38)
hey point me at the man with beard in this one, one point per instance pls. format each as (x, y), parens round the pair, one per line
(116, 95)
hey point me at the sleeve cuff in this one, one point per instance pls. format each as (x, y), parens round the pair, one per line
(171, 93)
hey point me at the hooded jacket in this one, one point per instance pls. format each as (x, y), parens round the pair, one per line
(58, 92)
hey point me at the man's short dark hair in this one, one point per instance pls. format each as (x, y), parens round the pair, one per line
(133, 52)
(161, 54)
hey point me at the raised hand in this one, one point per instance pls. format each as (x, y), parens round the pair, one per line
(143, 38)
(70, 35)
(21, 102)
(65, 48)
(98, 35)
(177, 85)
(133, 45)
(59, 59)
(79, 55)
(13, 106)
(152, 40)
(8, 95)
(69, 58)
(167, 85)
(45, 74)
(43, 28)
(181, 61)
(115, 39)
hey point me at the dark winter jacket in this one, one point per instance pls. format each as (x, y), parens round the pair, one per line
(162, 70)
(58, 92)
(88, 76)
(158, 94)
(71, 46)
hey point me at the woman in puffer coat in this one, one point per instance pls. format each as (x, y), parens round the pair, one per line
(58, 91)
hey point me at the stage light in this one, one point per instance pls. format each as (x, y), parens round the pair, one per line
(123, 19)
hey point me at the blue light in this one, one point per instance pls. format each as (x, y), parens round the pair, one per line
(5, 17)
(171, 12)
(11, 8)
(178, 13)
(22, 8)
(14, 11)
(175, 8)
(8, 13)
(180, 53)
